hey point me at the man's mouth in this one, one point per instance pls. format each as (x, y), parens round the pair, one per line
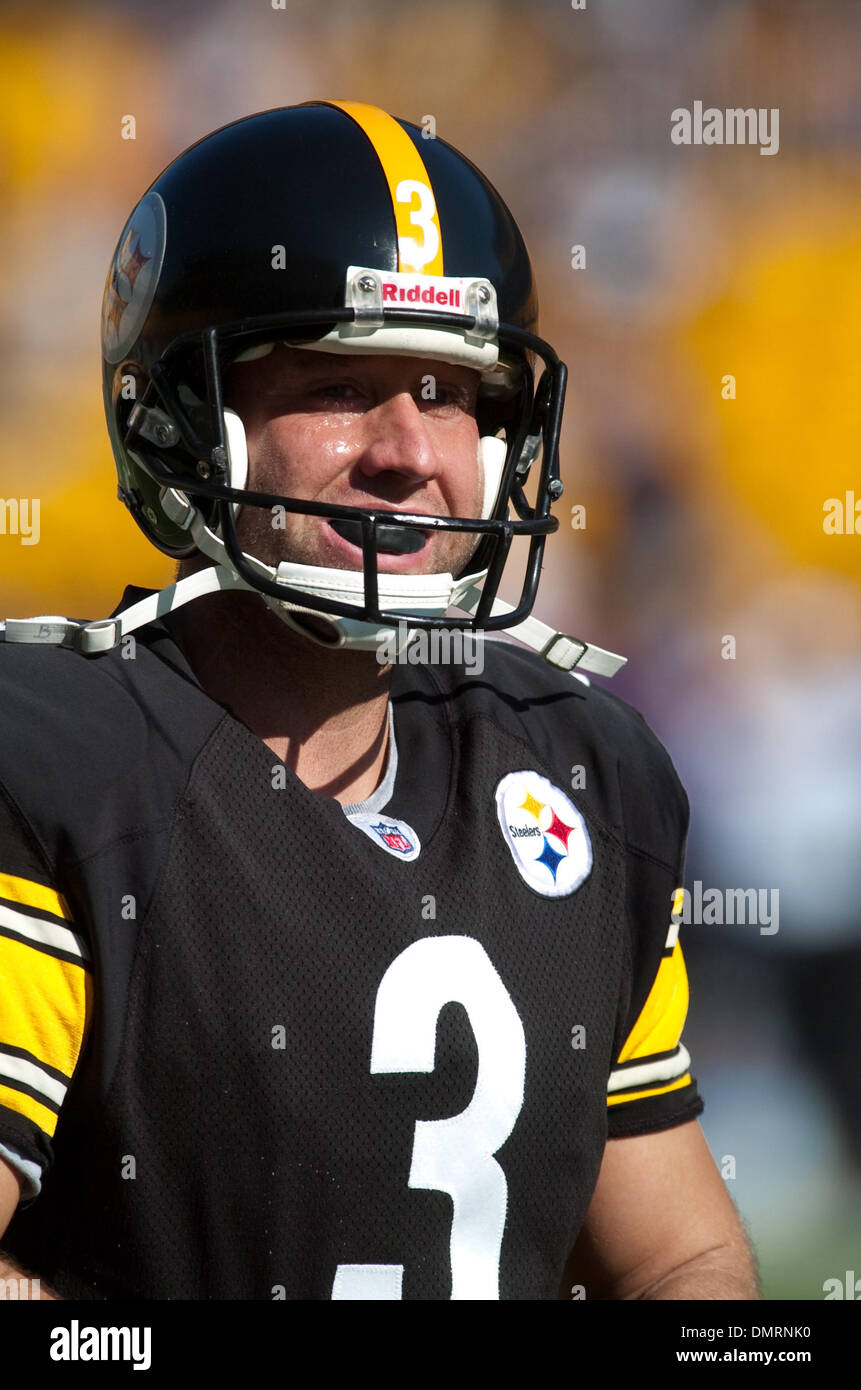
(391, 540)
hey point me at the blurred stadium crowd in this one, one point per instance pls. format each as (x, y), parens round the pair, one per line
(704, 514)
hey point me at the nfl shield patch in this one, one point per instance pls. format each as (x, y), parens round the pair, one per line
(393, 836)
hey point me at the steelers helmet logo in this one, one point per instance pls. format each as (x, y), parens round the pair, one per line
(545, 833)
(133, 277)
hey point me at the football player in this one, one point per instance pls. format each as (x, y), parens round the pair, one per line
(330, 972)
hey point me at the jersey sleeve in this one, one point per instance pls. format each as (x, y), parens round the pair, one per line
(651, 1086)
(45, 1000)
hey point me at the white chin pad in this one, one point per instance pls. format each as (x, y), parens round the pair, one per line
(491, 456)
(237, 449)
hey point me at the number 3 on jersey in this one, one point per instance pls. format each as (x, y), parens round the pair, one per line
(455, 1155)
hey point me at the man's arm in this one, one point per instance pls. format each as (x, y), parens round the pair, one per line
(661, 1225)
(10, 1194)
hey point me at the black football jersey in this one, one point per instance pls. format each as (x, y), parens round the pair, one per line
(252, 1047)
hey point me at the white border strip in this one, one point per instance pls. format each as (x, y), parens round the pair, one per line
(43, 933)
(666, 1069)
(19, 1069)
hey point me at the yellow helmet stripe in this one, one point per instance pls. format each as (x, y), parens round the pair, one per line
(413, 201)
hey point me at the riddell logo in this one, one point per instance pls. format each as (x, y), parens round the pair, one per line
(416, 295)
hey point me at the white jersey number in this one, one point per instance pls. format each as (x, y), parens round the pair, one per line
(455, 1155)
(413, 253)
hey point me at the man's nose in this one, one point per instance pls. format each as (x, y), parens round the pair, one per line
(397, 440)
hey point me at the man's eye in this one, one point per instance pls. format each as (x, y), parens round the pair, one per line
(445, 397)
(337, 390)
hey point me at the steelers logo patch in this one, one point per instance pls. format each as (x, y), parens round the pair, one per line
(133, 277)
(545, 833)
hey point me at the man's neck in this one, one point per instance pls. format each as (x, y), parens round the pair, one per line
(322, 712)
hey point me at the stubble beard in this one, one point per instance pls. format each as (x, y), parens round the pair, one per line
(274, 536)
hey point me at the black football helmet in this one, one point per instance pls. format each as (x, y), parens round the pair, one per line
(333, 226)
(329, 224)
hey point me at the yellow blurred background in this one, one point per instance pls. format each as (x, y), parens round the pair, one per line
(704, 509)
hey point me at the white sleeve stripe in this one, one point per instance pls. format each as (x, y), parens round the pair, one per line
(19, 1069)
(43, 933)
(666, 1069)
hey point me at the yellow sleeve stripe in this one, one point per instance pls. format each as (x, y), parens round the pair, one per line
(29, 894)
(653, 1091)
(662, 1018)
(25, 1105)
(44, 1005)
(410, 188)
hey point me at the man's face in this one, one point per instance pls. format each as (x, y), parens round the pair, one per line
(358, 431)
